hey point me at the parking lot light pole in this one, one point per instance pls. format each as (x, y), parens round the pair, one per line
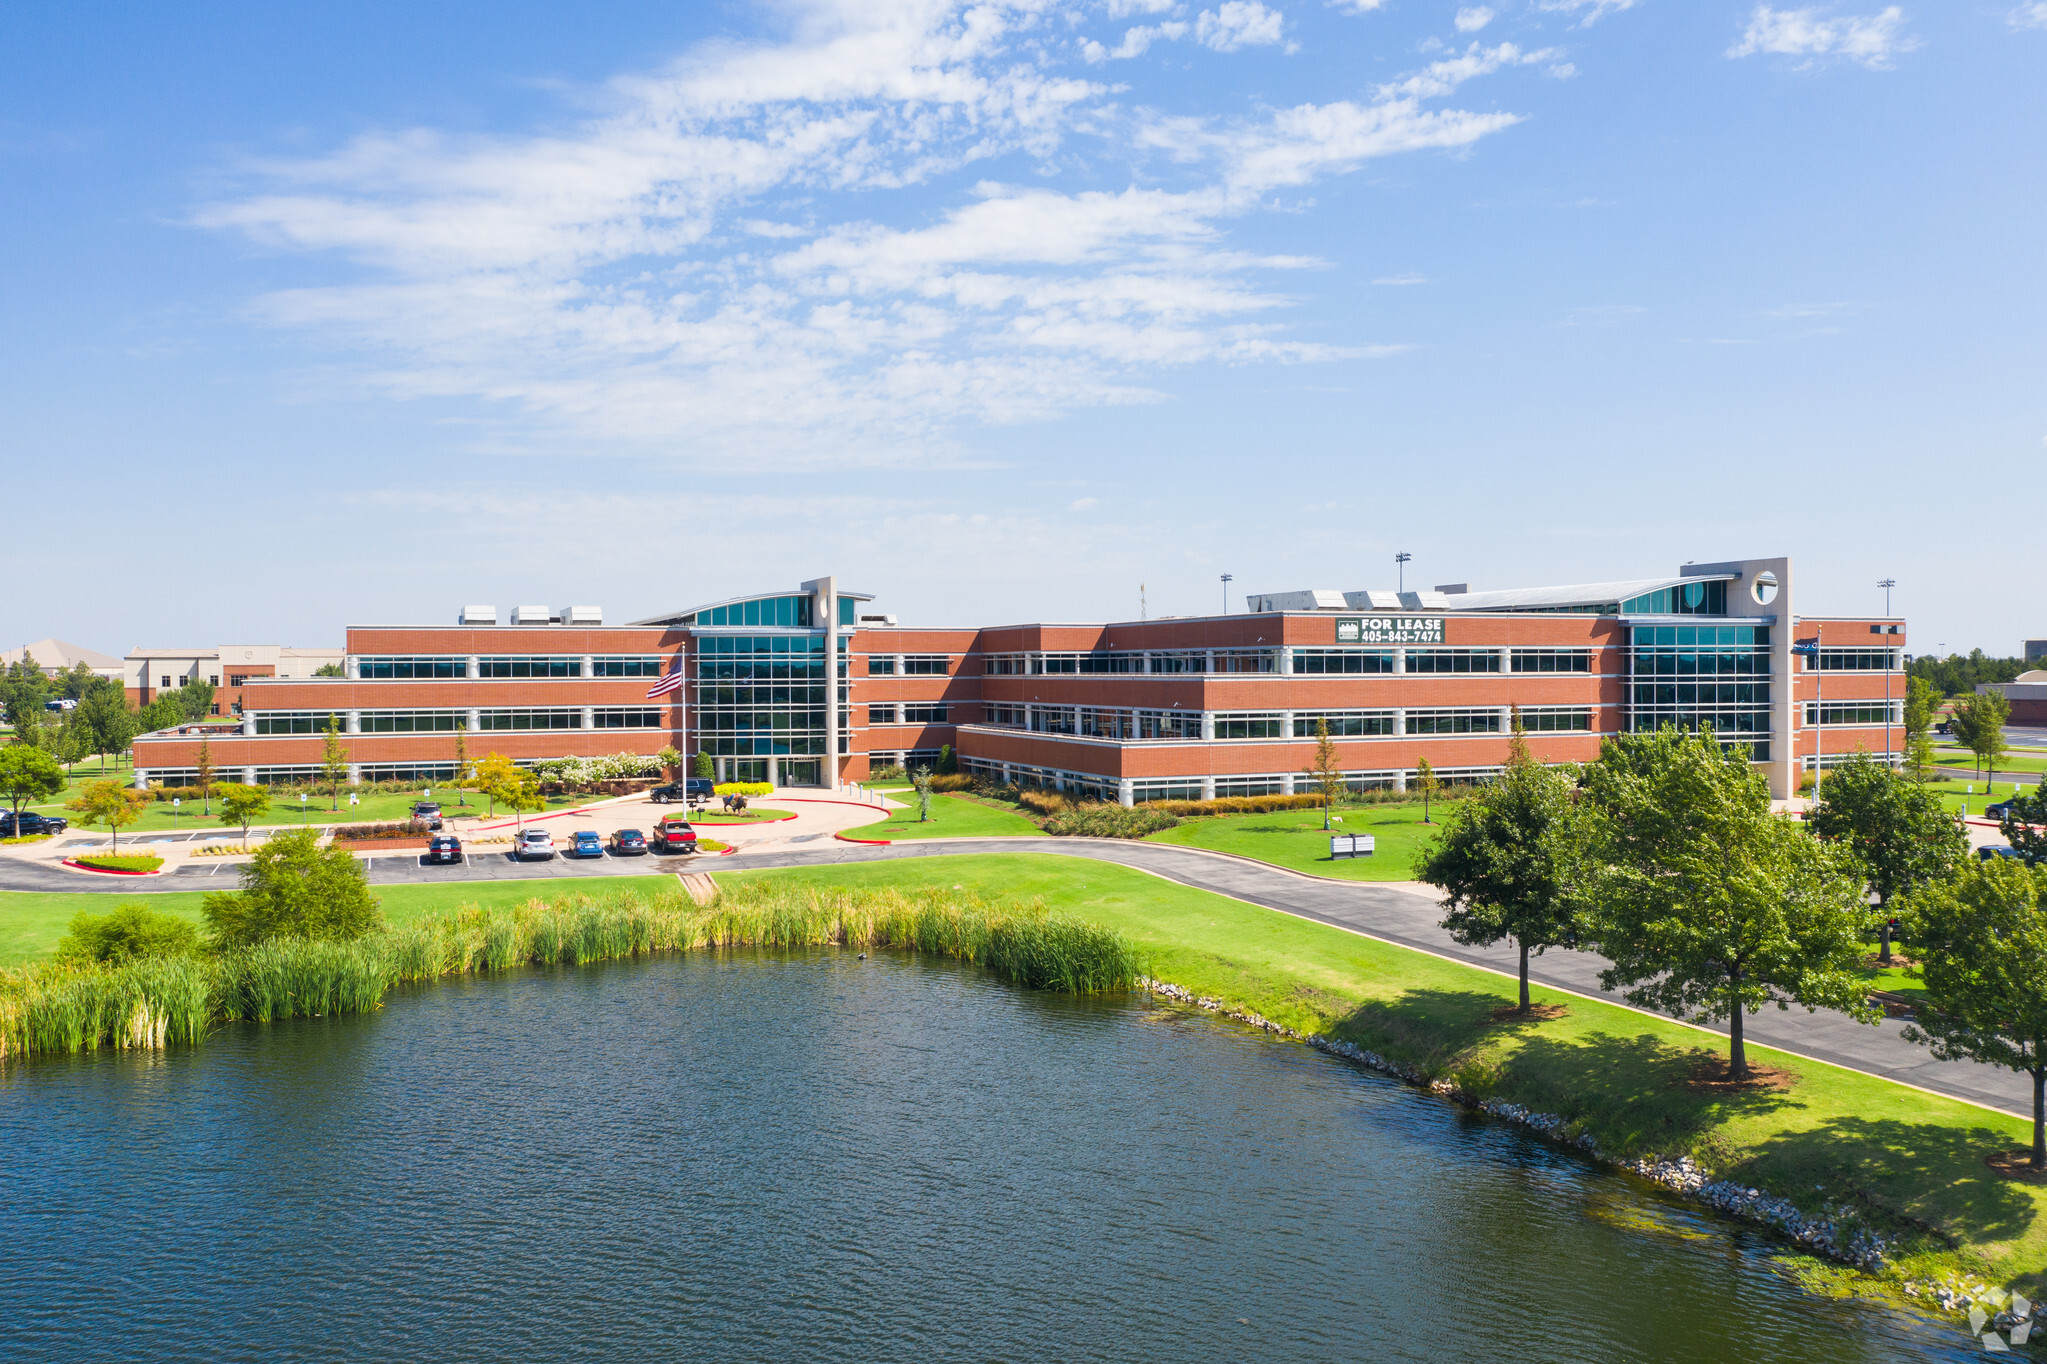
(1228, 578)
(1400, 566)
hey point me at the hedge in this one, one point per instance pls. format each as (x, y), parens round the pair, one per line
(121, 862)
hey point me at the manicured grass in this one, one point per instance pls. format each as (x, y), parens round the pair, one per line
(1620, 1075)
(31, 922)
(1954, 796)
(2014, 761)
(951, 817)
(158, 816)
(1294, 838)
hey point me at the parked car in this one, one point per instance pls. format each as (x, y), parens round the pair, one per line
(1999, 810)
(701, 788)
(533, 843)
(31, 824)
(444, 848)
(673, 836)
(584, 843)
(60, 704)
(427, 812)
(1991, 850)
(696, 788)
(628, 843)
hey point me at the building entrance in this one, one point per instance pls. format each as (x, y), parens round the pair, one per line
(799, 772)
(747, 769)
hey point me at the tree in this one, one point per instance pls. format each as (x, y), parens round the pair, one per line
(670, 760)
(920, 777)
(105, 711)
(28, 775)
(328, 670)
(1895, 827)
(2025, 826)
(1508, 861)
(33, 730)
(1922, 703)
(333, 760)
(77, 681)
(1982, 939)
(202, 770)
(110, 803)
(496, 778)
(946, 761)
(463, 776)
(71, 742)
(1428, 783)
(24, 689)
(130, 932)
(1707, 904)
(1328, 780)
(706, 767)
(294, 888)
(522, 795)
(194, 698)
(241, 805)
(1979, 726)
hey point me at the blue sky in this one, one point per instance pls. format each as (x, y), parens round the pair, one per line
(325, 314)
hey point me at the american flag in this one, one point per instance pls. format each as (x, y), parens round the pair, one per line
(666, 685)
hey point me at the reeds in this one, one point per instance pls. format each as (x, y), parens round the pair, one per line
(154, 1002)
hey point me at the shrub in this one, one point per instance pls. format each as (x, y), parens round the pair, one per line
(294, 888)
(744, 788)
(123, 862)
(130, 931)
(1109, 821)
(711, 845)
(887, 772)
(1040, 802)
(404, 829)
(1236, 805)
(588, 771)
(953, 781)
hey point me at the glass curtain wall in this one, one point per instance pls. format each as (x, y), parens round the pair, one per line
(760, 696)
(1692, 675)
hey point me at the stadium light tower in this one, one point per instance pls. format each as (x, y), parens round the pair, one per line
(1400, 560)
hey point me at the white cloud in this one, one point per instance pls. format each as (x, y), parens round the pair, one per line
(2033, 15)
(1397, 280)
(1238, 23)
(1591, 10)
(1473, 19)
(1081, 503)
(847, 247)
(1135, 42)
(1357, 6)
(1872, 40)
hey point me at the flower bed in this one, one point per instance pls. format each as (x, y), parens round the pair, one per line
(395, 841)
(125, 864)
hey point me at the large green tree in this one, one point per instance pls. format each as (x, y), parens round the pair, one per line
(2025, 826)
(1708, 904)
(1922, 704)
(24, 689)
(1979, 727)
(1982, 939)
(28, 775)
(194, 698)
(105, 713)
(294, 888)
(1897, 829)
(1509, 861)
(240, 804)
(110, 803)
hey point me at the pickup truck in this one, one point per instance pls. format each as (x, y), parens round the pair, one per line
(673, 836)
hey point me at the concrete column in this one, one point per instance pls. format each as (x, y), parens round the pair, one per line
(1126, 793)
(1399, 722)
(354, 722)
(1208, 726)
(471, 669)
(355, 774)
(1286, 661)
(1286, 784)
(141, 779)
(1506, 661)
(351, 668)
(1208, 661)
(1148, 668)
(1286, 724)
(589, 715)
(248, 776)
(1400, 781)
(1208, 788)
(248, 722)
(1506, 719)
(589, 666)
(1400, 660)
(475, 720)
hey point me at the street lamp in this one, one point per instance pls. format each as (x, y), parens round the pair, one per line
(1228, 578)
(1400, 560)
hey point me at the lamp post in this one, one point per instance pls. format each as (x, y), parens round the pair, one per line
(1400, 562)
(1228, 578)
(1887, 584)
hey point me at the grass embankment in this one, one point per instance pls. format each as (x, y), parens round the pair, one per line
(55, 1009)
(952, 816)
(1619, 1075)
(31, 922)
(1294, 839)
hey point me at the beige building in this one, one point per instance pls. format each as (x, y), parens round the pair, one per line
(149, 672)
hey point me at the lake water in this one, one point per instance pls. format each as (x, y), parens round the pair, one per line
(818, 1158)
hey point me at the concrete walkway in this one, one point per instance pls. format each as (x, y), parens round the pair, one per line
(1391, 912)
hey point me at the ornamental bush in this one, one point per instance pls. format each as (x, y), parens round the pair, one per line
(122, 862)
(130, 931)
(744, 788)
(587, 771)
(1109, 821)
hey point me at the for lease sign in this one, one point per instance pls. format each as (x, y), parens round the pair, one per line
(1389, 630)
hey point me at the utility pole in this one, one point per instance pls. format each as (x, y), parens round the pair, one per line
(1228, 578)
(1400, 560)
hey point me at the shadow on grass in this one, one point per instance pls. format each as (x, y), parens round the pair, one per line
(1929, 1172)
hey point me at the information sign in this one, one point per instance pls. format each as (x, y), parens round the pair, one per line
(1389, 630)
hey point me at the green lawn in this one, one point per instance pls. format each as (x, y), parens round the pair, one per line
(159, 816)
(1953, 795)
(1294, 838)
(31, 922)
(762, 815)
(1617, 1073)
(2015, 761)
(951, 817)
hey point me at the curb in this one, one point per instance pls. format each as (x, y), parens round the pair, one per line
(845, 837)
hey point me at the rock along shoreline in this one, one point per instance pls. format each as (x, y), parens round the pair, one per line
(1840, 1238)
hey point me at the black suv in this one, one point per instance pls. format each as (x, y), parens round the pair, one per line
(427, 813)
(31, 823)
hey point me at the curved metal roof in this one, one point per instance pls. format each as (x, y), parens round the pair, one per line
(676, 617)
(1576, 594)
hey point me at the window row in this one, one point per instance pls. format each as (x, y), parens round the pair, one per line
(1552, 660)
(1453, 660)
(1856, 660)
(1853, 713)
(1454, 721)
(911, 715)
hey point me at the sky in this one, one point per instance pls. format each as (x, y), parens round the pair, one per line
(326, 314)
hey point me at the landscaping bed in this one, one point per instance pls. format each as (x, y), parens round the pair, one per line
(122, 864)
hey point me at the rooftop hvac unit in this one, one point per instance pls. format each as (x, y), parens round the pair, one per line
(534, 615)
(582, 615)
(478, 615)
(878, 620)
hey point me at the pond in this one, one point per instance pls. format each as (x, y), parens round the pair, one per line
(769, 1157)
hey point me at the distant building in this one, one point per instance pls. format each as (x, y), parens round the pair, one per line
(2036, 649)
(148, 672)
(2028, 696)
(55, 656)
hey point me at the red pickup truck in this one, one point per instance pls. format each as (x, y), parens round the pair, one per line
(673, 836)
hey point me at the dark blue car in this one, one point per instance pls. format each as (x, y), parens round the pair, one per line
(585, 843)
